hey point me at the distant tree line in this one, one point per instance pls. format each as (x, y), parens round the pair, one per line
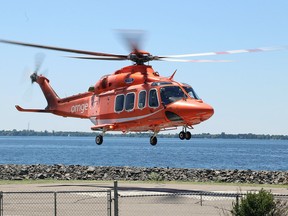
(87, 134)
(240, 136)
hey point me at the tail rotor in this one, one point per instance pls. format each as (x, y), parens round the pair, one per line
(33, 75)
(39, 59)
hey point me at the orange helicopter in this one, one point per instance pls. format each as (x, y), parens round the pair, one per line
(133, 99)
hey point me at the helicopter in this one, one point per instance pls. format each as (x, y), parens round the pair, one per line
(135, 98)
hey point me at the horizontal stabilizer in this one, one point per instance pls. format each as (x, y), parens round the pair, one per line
(31, 110)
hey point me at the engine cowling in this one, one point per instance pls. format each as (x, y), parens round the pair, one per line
(131, 75)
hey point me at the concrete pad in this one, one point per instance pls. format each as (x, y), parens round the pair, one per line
(133, 187)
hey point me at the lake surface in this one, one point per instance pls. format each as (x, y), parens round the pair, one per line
(127, 151)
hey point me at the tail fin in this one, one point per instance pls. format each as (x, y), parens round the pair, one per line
(51, 97)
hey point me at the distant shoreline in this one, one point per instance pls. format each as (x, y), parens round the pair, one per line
(170, 135)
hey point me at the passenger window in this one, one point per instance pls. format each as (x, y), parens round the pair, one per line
(153, 99)
(129, 103)
(119, 104)
(142, 99)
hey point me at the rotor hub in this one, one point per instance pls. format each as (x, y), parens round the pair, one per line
(140, 57)
(33, 77)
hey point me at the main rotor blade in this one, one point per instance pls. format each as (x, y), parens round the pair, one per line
(160, 59)
(62, 49)
(193, 60)
(263, 49)
(98, 58)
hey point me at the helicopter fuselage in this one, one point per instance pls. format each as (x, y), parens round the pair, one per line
(133, 99)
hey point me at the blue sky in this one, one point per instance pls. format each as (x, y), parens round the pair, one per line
(248, 95)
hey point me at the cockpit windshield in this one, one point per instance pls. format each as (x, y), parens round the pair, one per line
(190, 91)
(171, 94)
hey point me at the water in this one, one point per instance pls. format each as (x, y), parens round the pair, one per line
(169, 152)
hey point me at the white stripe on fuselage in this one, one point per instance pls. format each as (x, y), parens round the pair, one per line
(96, 121)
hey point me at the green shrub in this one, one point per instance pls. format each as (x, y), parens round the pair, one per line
(153, 176)
(259, 204)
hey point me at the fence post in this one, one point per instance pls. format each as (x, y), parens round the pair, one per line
(1, 203)
(115, 198)
(201, 200)
(55, 203)
(109, 201)
(237, 204)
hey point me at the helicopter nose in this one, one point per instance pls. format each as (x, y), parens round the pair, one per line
(205, 111)
(195, 111)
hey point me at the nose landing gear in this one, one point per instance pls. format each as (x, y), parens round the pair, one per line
(184, 134)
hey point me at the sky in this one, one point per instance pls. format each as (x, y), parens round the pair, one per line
(249, 95)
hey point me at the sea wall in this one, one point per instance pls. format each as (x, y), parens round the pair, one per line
(77, 172)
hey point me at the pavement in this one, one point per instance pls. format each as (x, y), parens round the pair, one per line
(130, 188)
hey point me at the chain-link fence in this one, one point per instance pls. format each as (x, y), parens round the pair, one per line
(125, 203)
(165, 204)
(56, 203)
(176, 204)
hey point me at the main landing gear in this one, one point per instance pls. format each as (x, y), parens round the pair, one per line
(153, 139)
(184, 134)
(99, 139)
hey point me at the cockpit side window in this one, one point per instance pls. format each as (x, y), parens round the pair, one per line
(170, 94)
(153, 98)
(190, 91)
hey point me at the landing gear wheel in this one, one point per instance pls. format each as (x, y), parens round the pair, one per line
(182, 135)
(99, 139)
(188, 135)
(153, 140)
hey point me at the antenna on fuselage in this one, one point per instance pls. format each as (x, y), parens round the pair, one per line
(172, 76)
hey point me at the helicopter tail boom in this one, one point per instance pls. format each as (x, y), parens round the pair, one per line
(73, 106)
